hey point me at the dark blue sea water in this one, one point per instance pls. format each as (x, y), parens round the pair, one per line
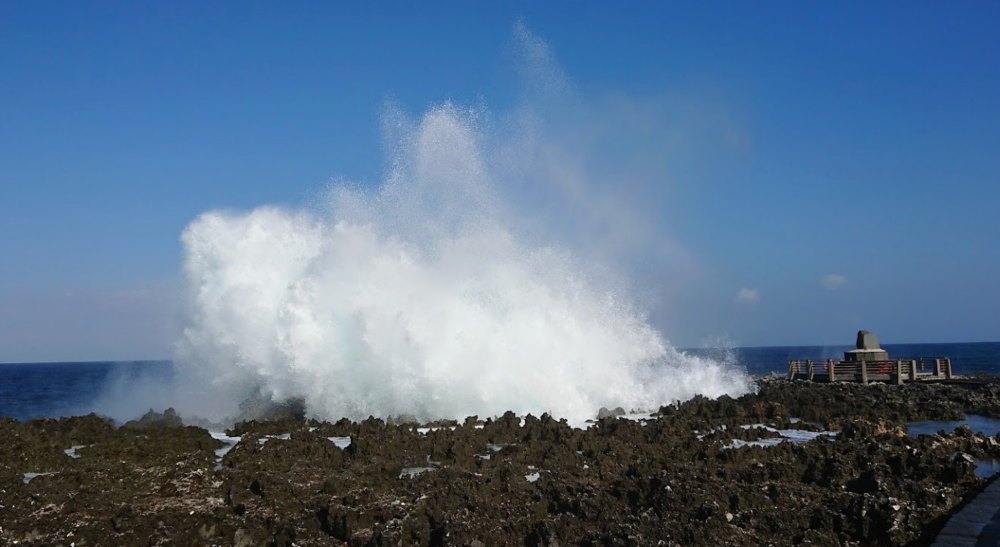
(126, 390)
(51, 390)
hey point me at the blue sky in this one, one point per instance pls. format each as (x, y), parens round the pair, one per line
(825, 167)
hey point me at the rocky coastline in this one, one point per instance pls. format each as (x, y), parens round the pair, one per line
(690, 474)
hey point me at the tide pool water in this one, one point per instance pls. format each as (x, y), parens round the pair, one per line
(980, 424)
(990, 427)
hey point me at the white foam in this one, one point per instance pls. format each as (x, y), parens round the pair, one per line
(230, 442)
(491, 449)
(340, 442)
(532, 477)
(410, 472)
(584, 424)
(641, 417)
(580, 423)
(800, 436)
(737, 443)
(282, 437)
(794, 436)
(785, 435)
(29, 476)
(426, 430)
(221, 452)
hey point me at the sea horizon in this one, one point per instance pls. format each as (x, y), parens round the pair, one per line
(126, 389)
(681, 349)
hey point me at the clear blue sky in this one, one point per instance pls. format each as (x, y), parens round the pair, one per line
(839, 166)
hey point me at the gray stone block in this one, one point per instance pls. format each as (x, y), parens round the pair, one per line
(867, 340)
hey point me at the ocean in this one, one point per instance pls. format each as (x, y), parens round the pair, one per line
(51, 390)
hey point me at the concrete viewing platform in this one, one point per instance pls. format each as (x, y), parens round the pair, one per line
(897, 371)
(870, 363)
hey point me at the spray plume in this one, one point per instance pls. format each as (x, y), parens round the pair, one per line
(439, 294)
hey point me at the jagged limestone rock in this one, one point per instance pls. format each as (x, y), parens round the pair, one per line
(605, 413)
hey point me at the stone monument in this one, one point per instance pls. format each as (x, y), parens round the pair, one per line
(867, 350)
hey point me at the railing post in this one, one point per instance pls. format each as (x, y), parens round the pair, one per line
(833, 371)
(791, 370)
(937, 367)
(947, 368)
(812, 370)
(864, 371)
(913, 370)
(899, 372)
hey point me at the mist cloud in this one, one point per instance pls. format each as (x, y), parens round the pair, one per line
(747, 296)
(832, 282)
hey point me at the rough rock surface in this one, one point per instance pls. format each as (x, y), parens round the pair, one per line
(672, 480)
(867, 340)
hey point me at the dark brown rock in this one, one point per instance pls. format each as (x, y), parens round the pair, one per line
(672, 481)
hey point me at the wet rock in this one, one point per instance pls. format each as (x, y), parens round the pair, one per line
(605, 413)
(244, 538)
(532, 480)
(259, 406)
(168, 418)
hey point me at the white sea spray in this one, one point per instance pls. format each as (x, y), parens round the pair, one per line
(433, 294)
